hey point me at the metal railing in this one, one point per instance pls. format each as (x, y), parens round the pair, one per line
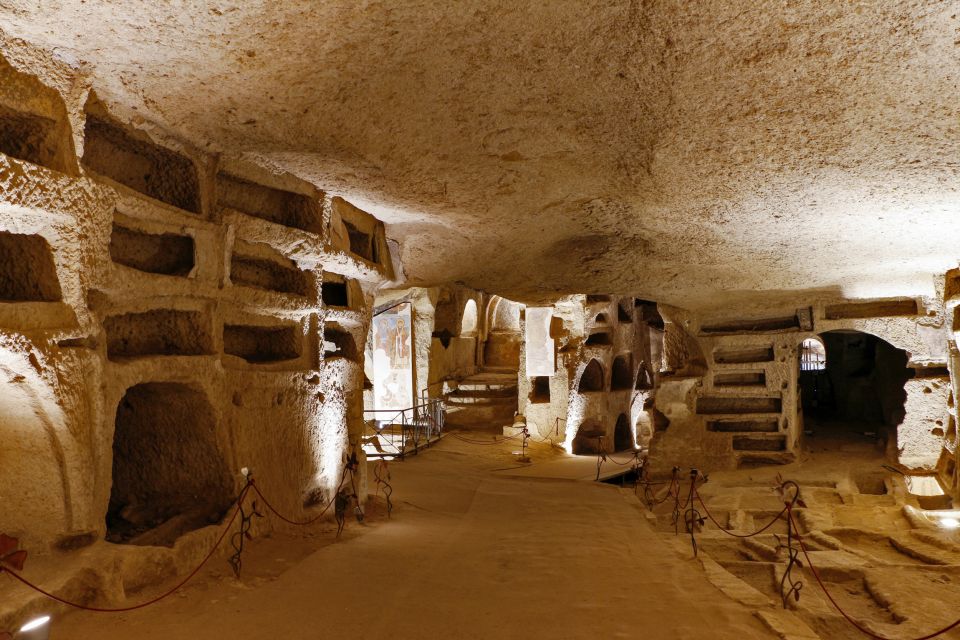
(389, 433)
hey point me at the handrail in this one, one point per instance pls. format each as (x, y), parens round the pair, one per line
(419, 426)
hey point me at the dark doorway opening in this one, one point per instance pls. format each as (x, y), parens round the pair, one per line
(622, 438)
(852, 384)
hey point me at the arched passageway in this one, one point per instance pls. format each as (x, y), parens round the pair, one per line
(851, 383)
(622, 437)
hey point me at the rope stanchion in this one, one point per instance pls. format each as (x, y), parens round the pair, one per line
(246, 522)
(790, 586)
(4, 569)
(692, 518)
(381, 474)
(12, 558)
(731, 532)
(836, 605)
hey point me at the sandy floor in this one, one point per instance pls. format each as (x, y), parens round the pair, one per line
(469, 553)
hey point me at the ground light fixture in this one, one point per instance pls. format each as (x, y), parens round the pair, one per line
(36, 629)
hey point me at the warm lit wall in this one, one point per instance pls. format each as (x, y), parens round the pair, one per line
(114, 301)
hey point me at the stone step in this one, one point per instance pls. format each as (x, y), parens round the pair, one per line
(765, 457)
(758, 441)
(499, 392)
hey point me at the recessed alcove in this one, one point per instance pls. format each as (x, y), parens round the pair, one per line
(274, 205)
(738, 405)
(622, 434)
(159, 332)
(169, 475)
(873, 309)
(621, 374)
(592, 378)
(361, 243)
(145, 167)
(262, 344)
(335, 290)
(644, 379)
(280, 275)
(31, 138)
(599, 339)
(743, 355)
(754, 325)
(740, 379)
(540, 389)
(27, 269)
(161, 253)
(339, 343)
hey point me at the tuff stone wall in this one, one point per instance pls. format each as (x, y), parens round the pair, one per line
(162, 325)
(743, 406)
(603, 380)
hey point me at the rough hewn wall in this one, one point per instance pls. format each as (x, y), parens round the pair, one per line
(163, 324)
(744, 408)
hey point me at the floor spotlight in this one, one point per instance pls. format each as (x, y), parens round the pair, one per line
(36, 629)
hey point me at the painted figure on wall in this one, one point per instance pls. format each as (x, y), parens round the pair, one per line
(392, 361)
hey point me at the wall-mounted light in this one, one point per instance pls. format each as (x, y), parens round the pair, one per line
(36, 629)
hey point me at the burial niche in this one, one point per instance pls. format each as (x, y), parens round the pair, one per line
(169, 476)
(621, 376)
(591, 380)
(27, 271)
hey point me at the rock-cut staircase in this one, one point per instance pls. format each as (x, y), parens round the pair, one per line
(485, 400)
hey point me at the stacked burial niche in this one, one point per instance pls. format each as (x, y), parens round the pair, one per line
(27, 270)
(169, 475)
(131, 159)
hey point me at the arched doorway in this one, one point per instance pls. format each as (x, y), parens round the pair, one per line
(169, 476)
(34, 487)
(501, 350)
(468, 323)
(622, 437)
(591, 380)
(851, 384)
(588, 438)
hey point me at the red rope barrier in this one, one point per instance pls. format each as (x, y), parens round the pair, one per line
(299, 523)
(226, 529)
(730, 531)
(857, 625)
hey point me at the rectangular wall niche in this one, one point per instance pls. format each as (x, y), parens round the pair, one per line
(152, 170)
(274, 205)
(163, 253)
(879, 309)
(31, 138)
(757, 325)
(257, 344)
(27, 270)
(745, 355)
(744, 426)
(740, 379)
(540, 389)
(754, 443)
(361, 243)
(338, 343)
(270, 275)
(335, 290)
(161, 332)
(737, 405)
